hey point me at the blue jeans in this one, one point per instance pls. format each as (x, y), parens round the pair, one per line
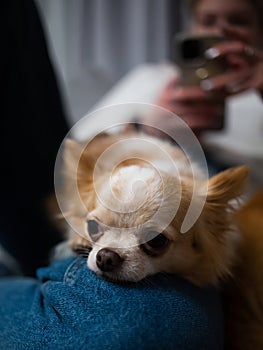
(68, 307)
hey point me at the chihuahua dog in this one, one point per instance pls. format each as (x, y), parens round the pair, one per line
(128, 197)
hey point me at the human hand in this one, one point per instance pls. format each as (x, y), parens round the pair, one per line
(195, 106)
(245, 68)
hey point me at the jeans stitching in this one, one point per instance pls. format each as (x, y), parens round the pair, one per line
(73, 270)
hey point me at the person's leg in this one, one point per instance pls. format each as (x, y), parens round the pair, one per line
(8, 265)
(33, 125)
(69, 307)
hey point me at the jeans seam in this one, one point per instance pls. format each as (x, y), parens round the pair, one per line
(73, 270)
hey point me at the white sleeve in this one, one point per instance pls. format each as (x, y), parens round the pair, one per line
(140, 86)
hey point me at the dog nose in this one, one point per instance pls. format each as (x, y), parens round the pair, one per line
(107, 260)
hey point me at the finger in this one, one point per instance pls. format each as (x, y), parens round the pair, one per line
(172, 83)
(234, 47)
(254, 81)
(189, 94)
(227, 82)
(237, 62)
(182, 109)
(175, 91)
(234, 33)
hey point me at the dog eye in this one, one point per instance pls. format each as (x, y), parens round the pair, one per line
(158, 242)
(93, 227)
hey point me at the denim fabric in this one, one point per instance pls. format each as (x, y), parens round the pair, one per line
(68, 307)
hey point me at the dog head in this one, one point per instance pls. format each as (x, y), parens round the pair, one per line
(131, 217)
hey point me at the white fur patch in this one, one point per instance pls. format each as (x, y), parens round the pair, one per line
(132, 181)
(128, 188)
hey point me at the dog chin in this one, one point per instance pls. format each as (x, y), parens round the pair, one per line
(116, 276)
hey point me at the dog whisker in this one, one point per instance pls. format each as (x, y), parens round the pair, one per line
(82, 251)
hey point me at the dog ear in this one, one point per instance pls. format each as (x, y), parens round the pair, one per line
(227, 185)
(69, 171)
(79, 162)
(71, 154)
(215, 233)
(73, 204)
(78, 159)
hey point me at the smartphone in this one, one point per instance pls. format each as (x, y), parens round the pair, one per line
(189, 56)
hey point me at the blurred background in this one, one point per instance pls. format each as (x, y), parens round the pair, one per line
(93, 43)
(101, 51)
